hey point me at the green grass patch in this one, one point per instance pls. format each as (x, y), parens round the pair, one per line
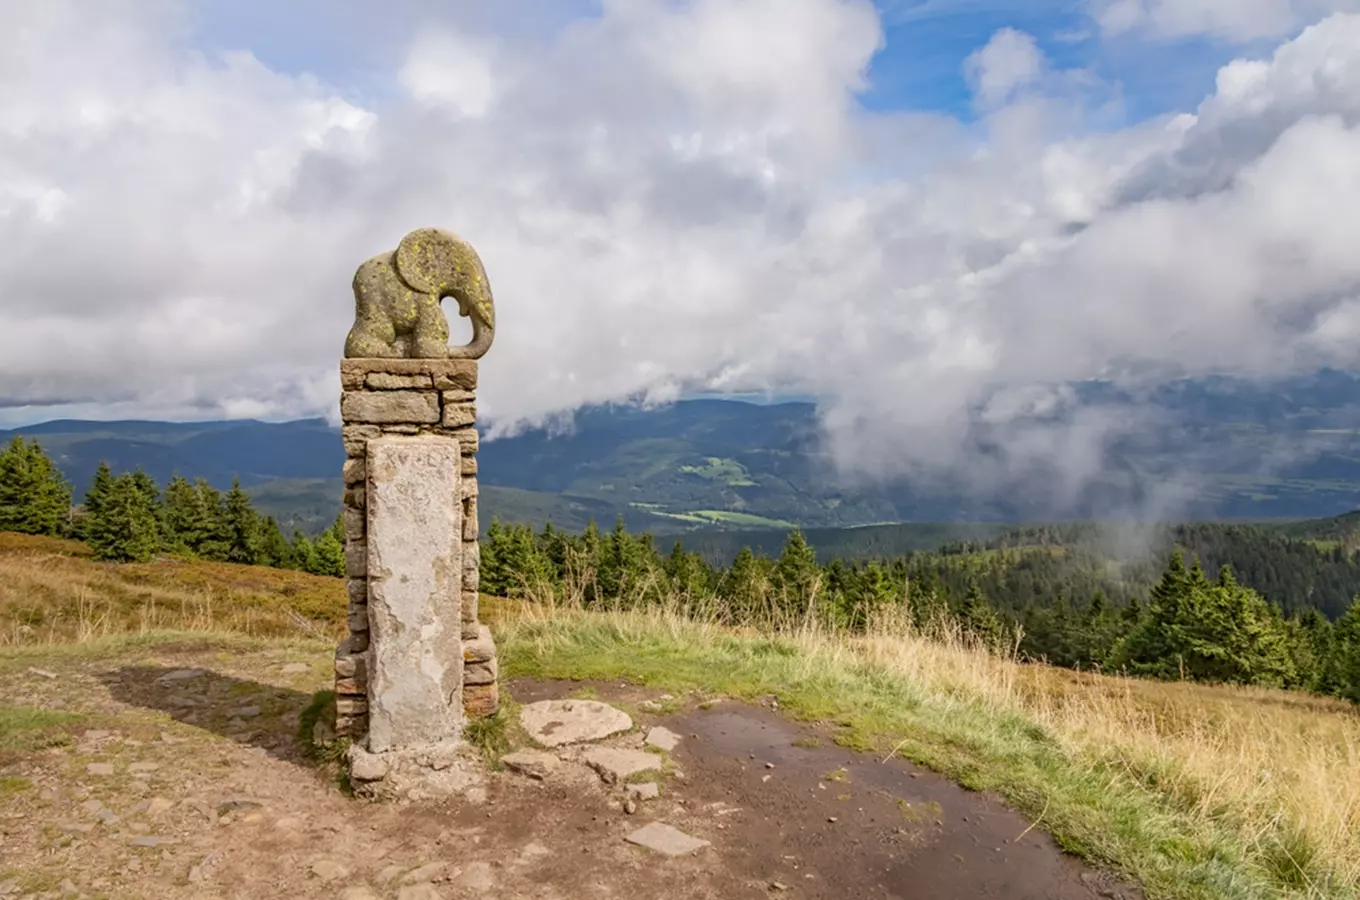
(1096, 809)
(24, 729)
(10, 785)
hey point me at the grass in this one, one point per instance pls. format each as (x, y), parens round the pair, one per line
(52, 592)
(1195, 792)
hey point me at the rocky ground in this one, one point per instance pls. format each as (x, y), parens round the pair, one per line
(179, 772)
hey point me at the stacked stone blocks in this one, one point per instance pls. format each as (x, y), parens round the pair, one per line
(383, 398)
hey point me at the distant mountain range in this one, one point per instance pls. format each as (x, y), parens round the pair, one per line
(1283, 450)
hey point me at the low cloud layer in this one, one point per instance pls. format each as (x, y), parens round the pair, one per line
(682, 196)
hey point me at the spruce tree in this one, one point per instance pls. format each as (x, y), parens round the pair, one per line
(34, 496)
(274, 548)
(125, 527)
(797, 577)
(328, 555)
(242, 527)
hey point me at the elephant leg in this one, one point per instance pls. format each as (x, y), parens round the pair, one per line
(430, 336)
(372, 337)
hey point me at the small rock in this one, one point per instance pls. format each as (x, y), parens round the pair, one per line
(615, 765)
(357, 892)
(534, 763)
(99, 769)
(238, 804)
(365, 766)
(831, 818)
(662, 838)
(778, 886)
(157, 806)
(425, 874)
(295, 668)
(97, 735)
(329, 870)
(246, 712)
(68, 887)
(647, 790)
(150, 840)
(168, 738)
(478, 877)
(662, 738)
(532, 852)
(41, 672)
(142, 767)
(388, 875)
(630, 805)
(552, 723)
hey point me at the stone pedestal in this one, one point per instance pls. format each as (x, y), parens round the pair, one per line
(416, 661)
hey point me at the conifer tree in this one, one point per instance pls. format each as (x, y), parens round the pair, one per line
(274, 547)
(796, 575)
(304, 553)
(328, 555)
(34, 496)
(242, 526)
(100, 487)
(125, 527)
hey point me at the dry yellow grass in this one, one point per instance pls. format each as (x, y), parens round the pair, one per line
(52, 592)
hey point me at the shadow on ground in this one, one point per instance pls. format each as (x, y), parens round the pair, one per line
(248, 712)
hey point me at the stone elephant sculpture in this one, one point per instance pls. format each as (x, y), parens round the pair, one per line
(397, 296)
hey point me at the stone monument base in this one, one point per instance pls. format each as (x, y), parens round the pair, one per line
(436, 772)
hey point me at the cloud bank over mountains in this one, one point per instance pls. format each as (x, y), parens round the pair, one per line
(680, 196)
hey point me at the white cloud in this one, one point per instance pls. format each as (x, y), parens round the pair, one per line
(1011, 60)
(1231, 20)
(673, 196)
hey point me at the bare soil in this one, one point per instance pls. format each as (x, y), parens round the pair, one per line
(178, 772)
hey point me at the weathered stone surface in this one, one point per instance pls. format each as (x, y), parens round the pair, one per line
(470, 519)
(481, 700)
(415, 549)
(480, 673)
(356, 686)
(662, 738)
(387, 381)
(469, 487)
(470, 598)
(423, 891)
(534, 763)
(425, 874)
(358, 590)
(468, 437)
(447, 374)
(472, 578)
(353, 471)
(354, 524)
(553, 723)
(349, 664)
(350, 706)
(648, 790)
(355, 497)
(662, 838)
(356, 438)
(358, 892)
(459, 396)
(616, 764)
(469, 465)
(365, 766)
(401, 429)
(477, 877)
(480, 649)
(356, 559)
(389, 407)
(358, 642)
(329, 870)
(456, 415)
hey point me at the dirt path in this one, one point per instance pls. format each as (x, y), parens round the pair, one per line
(177, 773)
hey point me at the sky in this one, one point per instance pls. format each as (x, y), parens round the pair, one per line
(923, 214)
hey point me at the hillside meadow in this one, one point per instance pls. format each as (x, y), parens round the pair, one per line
(1195, 791)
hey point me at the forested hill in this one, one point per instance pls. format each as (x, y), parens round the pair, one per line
(700, 464)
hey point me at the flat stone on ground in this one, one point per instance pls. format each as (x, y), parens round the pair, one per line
(662, 738)
(663, 839)
(553, 723)
(99, 769)
(648, 790)
(615, 764)
(534, 763)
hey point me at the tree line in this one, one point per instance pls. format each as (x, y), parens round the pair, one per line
(129, 518)
(1187, 626)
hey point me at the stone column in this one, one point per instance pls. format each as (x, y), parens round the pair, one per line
(391, 408)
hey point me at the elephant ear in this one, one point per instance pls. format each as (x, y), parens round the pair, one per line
(438, 262)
